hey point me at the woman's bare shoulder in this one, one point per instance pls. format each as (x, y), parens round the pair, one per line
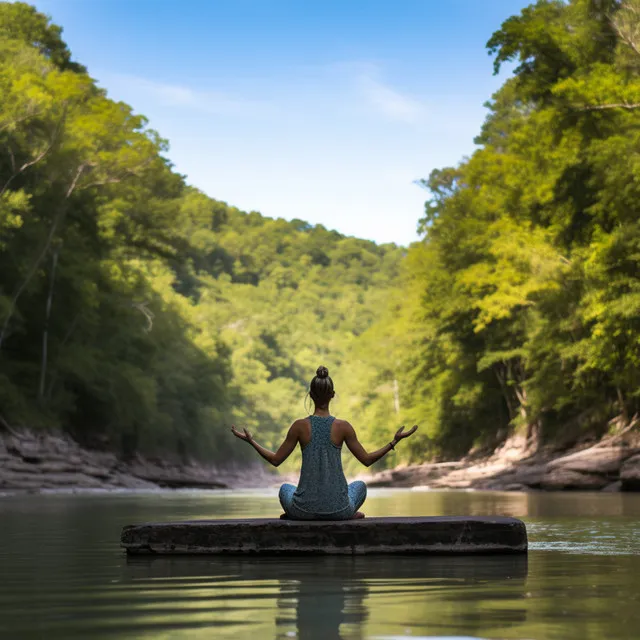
(342, 425)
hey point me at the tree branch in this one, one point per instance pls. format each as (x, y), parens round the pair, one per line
(25, 166)
(111, 180)
(74, 182)
(618, 105)
(39, 157)
(148, 314)
(607, 441)
(116, 179)
(7, 124)
(9, 428)
(12, 157)
(621, 31)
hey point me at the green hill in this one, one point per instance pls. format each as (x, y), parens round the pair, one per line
(139, 314)
(135, 311)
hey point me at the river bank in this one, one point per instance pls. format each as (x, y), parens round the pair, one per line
(48, 462)
(33, 461)
(607, 465)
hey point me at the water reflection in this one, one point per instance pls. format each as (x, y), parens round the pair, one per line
(65, 576)
(333, 597)
(562, 504)
(317, 607)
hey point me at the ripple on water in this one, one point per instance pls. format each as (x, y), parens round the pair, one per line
(586, 536)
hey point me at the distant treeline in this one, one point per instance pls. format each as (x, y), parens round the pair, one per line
(139, 314)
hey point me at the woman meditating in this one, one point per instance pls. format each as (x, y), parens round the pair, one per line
(322, 493)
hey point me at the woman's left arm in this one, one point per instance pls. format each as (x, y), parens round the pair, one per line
(283, 452)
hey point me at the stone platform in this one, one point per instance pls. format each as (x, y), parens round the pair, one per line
(425, 535)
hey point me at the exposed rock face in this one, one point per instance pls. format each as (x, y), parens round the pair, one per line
(410, 476)
(593, 469)
(37, 462)
(564, 478)
(598, 460)
(34, 462)
(519, 478)
(630, 474)
(434, 535)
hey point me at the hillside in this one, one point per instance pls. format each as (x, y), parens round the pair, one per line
(138, 314)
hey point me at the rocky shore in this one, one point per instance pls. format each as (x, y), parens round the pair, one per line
(32, 461)
(599, 467)
(40, 462)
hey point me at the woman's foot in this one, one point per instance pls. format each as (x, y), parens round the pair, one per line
(284, 516)
(358, 515)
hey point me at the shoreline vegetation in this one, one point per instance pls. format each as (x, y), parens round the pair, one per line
(141, 316)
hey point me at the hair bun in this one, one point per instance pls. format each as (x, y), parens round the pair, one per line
(322, 372)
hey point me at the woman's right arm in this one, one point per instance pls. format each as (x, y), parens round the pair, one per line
(362, 455)
(283, 452)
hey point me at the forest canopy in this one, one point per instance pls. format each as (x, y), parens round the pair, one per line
(137, 313)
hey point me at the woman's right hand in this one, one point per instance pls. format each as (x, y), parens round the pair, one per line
(400, 433)
(246, 436)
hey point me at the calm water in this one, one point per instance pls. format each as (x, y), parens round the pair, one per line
(63, 575)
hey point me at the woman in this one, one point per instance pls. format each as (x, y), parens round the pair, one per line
(322, 493)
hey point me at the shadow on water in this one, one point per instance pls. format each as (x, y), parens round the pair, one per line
(327, 597)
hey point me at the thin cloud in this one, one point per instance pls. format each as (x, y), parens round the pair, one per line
(390, 102)
(174, 95)
(355, 83)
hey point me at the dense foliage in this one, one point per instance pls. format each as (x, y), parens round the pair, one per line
(137, 312)
(134, 310)
(526, 288)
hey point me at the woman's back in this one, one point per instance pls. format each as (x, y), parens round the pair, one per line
(322, 490)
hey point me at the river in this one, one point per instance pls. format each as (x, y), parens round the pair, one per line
(63, 575)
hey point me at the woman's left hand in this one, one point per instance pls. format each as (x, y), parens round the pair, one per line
(246, 436)
(401, 433)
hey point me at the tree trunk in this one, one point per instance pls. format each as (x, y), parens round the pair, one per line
(45, 333)
(521, 394)
(622, 405)
(54, 373)
(57, 220)
(500, 375)
(396, 396)
(30, 273)
(534, 435)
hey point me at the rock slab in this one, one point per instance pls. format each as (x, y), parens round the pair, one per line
(43, 461)
(425, 535)
(630, 474)
(596, 468)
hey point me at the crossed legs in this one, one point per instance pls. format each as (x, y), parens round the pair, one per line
(357, 491)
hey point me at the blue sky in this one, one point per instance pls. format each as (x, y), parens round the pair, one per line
(326, 111)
